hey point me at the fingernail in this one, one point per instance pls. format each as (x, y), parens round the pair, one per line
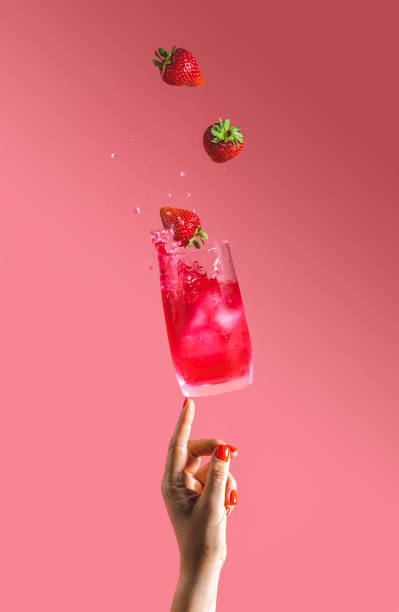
(228, 510)
(187, 400)
(222, 452)
(233, 497)
(233, 449)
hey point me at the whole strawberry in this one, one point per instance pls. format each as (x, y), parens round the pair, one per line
(223, 142)
(185, 224)
(179, 67)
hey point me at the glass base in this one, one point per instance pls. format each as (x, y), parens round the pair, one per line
(202, 390)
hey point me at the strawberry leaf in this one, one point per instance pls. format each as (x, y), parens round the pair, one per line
(162, 52)
(196, 244)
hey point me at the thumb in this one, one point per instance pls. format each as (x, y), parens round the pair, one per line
(215, 486)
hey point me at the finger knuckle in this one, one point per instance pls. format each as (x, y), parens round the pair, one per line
(165, 488)
(218, 473)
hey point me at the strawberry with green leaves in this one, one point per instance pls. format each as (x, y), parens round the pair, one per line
(223, 142)
(179, 67)
(186, 226)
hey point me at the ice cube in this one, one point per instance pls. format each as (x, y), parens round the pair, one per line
(226, 319)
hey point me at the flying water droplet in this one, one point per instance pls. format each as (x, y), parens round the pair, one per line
(114, 155)
(169, 196)
(137, 210)
(150, 267)
(188, 195)
(182, 173)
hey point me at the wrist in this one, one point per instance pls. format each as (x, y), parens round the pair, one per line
(197, 587)
(194, 571)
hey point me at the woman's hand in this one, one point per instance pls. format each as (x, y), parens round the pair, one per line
(198, 500)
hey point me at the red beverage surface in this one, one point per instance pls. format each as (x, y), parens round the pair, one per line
(207, 328)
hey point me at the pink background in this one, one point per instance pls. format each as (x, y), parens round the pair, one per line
(89, 396)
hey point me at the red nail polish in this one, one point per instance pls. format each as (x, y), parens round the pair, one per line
(222, 452)
(184, 403)
(232, 448)
(233, 497)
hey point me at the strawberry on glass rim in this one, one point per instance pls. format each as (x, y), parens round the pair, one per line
(223, 142)
(178, 67)
(186, 226)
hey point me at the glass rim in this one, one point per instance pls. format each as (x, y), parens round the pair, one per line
(208, 246)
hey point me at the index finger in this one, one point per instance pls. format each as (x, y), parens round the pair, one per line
(177, 452)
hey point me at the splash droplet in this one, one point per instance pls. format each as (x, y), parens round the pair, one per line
(137, 210)
(182, 173)
(150, 267)
(114, 155)
(188, 195)
(194, 210)
(169, 196)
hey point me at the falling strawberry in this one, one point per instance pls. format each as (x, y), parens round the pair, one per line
(179, 67)
(185, 224)
(223, 142)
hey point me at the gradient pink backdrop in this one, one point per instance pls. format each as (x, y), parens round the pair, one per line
(89, 396)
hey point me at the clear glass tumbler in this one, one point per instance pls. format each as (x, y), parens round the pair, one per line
(205, 319)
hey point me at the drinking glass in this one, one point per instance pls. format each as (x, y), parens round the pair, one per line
(205, 319)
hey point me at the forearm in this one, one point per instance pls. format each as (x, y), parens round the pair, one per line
(197, 589)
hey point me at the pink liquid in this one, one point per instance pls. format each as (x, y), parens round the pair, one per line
(206, 324)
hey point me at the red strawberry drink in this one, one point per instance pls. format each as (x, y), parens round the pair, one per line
(204, 313)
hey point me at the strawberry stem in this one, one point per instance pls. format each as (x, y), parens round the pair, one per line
(164, 57)
(197, 234)
(222, 132)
